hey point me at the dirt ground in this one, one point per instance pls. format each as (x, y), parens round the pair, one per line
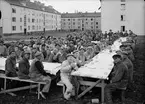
(135, 94)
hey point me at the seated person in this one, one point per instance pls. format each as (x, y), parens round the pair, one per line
(119, 78)
(52, 55)
(10, 66)
(82, 57)
(24, 66)
(37, 73)
(89, 53)
(60, 56)
(130, 53)
(67, 67)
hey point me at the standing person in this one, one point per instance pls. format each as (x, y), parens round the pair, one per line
(66, 69)
(3, 49)
(37, 73)
(10, 66)
(110, 34)
(24, 66)
(119, 78)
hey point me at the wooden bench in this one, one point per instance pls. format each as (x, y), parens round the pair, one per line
(36, 84)
(60, 83)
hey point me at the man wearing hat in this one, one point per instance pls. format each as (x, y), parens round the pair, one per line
(66, 69)
(119, 78)
(37, 73)
(24, 66)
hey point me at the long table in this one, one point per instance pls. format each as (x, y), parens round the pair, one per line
(99, 68)
(51, 68)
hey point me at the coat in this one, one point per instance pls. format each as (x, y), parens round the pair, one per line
(10, 67)
(23, 68)
(120, 75)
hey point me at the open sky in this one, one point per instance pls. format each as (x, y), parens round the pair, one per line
(72, 6)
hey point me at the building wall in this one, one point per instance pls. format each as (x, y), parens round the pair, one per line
(82, 23)
(6, 17)
(28, 19)
(134, 15)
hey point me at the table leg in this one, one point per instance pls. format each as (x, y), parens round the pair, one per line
(5, 83)
(102, 91)
(38, 91)
(88, 89)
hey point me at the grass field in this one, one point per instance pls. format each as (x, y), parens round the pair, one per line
(137, 96)
(24, 37)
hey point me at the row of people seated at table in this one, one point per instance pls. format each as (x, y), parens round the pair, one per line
(121, 75)
(35, 71)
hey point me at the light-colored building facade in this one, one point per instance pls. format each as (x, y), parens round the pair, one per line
(123, 15)
(81, 21)
(22, 16)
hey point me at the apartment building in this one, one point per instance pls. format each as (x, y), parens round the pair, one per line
(81, 21)
(121, 15)
(22, 16)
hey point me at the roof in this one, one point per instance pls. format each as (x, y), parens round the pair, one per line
(33, 5)
(78, 15)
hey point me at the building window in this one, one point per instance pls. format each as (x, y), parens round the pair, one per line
(28, 19)
(122, 28)
(122, 6)
(73, 19)
(33, 20)
(13, 19)
(86, 23)
(82, 25)
(79, 27)
(28, 27)
(86, 19)
(91, 23)
(33, 27)
(14, 28)
(122, 17)
(13, 10)
(73, 23)
(68, 23)
(91, 19)
(96, 23)
(20, 19)
(91, 27)
(123, 0)
(68, 19)
(96, 26)
(21, 28)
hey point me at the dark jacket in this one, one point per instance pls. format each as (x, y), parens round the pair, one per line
(36, 69)
(120, 75)
(23, 68)
(10, 67)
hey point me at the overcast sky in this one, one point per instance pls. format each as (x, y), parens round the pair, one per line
(71, 6)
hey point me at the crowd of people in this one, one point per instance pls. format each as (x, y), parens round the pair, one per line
(72, 51)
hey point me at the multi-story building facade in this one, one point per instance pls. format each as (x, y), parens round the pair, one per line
(22, 16)
(121, 15)
(81, 21)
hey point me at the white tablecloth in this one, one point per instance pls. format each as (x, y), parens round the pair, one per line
(51, 68)
(102, 64)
